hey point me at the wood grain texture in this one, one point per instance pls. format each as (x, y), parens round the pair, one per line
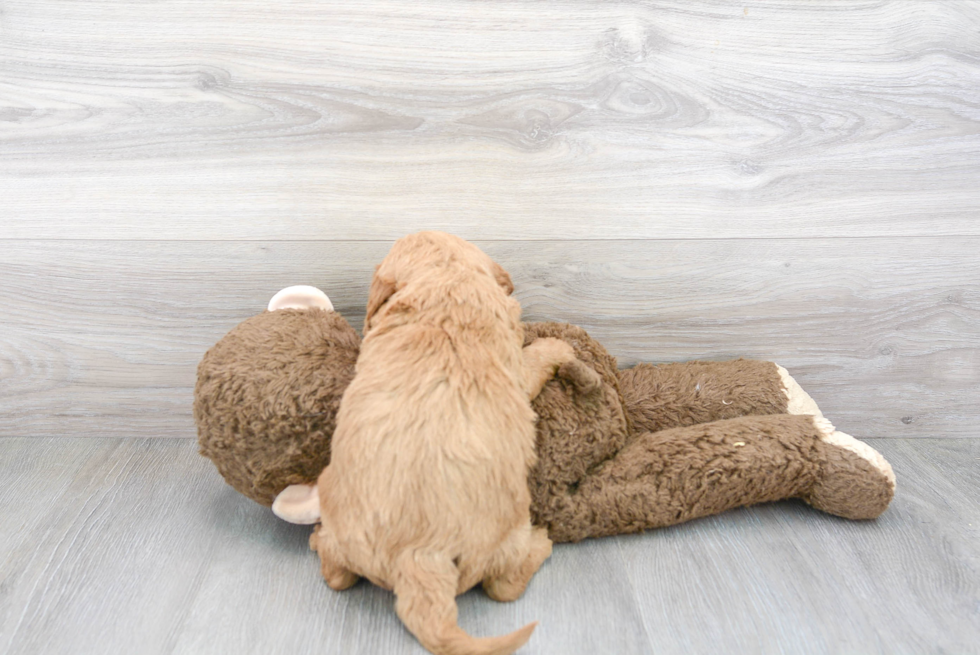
(495, 120)
(102, 338)
(685, 179)
(783, 578)
(136, 545)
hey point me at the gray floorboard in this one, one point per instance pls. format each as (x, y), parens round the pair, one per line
(136, 545)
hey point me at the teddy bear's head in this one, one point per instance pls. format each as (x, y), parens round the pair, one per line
(268, 392)
(267, 396)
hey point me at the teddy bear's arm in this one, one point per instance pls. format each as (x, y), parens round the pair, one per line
(672, 476)
(676, 395)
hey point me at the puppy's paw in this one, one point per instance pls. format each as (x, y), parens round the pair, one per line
(543, 358)
(558, 352)
(339, 579)
(314, 538)
(582, 376)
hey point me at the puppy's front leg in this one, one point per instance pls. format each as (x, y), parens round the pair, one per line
(542, 358)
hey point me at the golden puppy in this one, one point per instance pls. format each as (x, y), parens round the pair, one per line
(426, 492)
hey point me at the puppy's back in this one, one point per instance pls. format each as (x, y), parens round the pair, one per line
(434, 447)
(427, 487)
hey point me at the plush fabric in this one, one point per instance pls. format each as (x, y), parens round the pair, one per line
(675, 395)
(674, 475)
(267, 396)
(618, 451)
(576, 431)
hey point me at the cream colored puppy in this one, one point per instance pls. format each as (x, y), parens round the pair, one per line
(426, 492)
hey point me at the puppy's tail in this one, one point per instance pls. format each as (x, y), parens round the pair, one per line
(426, 604)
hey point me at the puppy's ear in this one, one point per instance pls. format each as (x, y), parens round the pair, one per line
(381, 290)
(503, 278)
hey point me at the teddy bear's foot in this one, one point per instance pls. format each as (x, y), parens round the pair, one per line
(797, 400)
(857, 482)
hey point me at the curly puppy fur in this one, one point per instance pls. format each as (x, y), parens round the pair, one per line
(427, 490)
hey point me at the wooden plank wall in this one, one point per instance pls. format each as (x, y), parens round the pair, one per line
(781, 180)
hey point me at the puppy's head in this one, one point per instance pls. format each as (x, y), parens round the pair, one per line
(420, 253)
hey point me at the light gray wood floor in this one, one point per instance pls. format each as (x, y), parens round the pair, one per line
(792, 181)
(136, 546)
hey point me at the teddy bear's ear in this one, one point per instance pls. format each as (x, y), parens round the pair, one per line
(298, 503)
(381, 290)
(503, 278)
(300, 297)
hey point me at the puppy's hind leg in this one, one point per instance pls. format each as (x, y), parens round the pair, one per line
(542, 359)
(338, 576)
(516, 562)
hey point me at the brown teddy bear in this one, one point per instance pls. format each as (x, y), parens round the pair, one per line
(619, 450)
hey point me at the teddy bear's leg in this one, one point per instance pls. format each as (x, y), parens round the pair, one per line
(836, 492)
(690, 393)
(672, 476)
(857, 481)
(516, 562)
